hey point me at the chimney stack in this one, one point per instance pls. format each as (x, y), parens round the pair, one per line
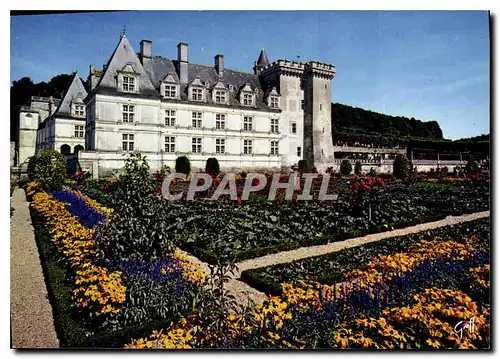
(219, 64)
(146, 49)
(182, 57)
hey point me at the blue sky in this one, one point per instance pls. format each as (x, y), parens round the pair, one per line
(428, 65)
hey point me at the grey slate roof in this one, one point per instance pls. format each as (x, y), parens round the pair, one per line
(75, 92)
(263, 60)
(159, 67)
(154, 70)
(124, 54)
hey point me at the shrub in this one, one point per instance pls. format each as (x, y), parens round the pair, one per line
(303, 166)
(212, 167)
(372, 172)
(182, 165)
(31, 167)
(345, 167)
(140, 229)
(401, 167)
(471, 167)
(50, 169)
(357, 168)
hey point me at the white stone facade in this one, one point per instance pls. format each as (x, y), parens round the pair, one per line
(169, 108)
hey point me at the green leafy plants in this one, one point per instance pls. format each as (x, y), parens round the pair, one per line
(139, 229)
(182, 165)
(31, 167)
(212, 167)
(50, 169)
(401, 167)
(345, 168)
(303, 166)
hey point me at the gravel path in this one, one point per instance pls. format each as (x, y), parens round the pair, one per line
(245, 293)
(313, 251)
(32, 323)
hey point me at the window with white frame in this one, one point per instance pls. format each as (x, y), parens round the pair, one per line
(170, 117)
(247, 123)
(274, 125)
(128, 84)
(220, 122)
(196, 145)
(79, 110)
(79, 131)
(127, 142)
(170, 91)
(294, 127)
(274, 102)
(274, 148)
(220, 96)
(197, 94)
(247, 99)
(299, 151)
(196, 119)
(169, 144)
(128, 113)
(247, 147)
(220, 145)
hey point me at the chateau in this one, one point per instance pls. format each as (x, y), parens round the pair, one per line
(165, 108)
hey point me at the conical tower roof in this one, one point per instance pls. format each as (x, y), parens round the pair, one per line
(263, 60)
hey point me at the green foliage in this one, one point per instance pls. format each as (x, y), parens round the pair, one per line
(31, 167)
(50, 169)
(471, 167)
(303, 166)
(212, 167)
(345, 167)
(372, 173)
(347, 117)
(357, 168)
(138, 229)
(401, 167)
(182, 165)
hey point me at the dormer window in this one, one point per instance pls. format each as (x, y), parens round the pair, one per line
(128, 79)
(78, 110)
(273, 101)
(247, 99)
(247, 96)
(196, 91)
(170, 87)
(170, 91)
(196, 94)
(220, 97)
(128, 84)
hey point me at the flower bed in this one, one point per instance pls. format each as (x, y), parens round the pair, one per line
(104, 303)
(331, 268)
(382, 305)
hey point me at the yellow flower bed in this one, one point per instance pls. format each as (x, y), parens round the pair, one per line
(306, 295)
(191, 271)
(435, 313)
(94, 286)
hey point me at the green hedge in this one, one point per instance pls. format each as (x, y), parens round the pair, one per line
(330, 268)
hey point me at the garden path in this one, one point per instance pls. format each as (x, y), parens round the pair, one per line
(32, 324)
(245, 293)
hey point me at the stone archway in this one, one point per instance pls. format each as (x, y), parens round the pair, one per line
(65, 149)
(78, 148)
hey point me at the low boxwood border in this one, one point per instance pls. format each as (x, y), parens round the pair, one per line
(352, 258)
(70, 332)
(207, 256)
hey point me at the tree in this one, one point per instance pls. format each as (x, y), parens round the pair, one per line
(182, 165)
(401, 167)
(212, 167)
(345, 167)
(358, 168)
